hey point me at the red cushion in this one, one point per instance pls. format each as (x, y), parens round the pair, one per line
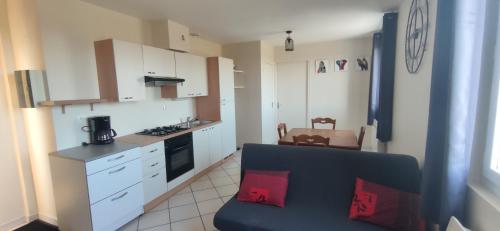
(386, 206)
(264, 187)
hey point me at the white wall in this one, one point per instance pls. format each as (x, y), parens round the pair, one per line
(247, 56)
(12, 203)
(69, 29)
(412, 92)
(340, 95)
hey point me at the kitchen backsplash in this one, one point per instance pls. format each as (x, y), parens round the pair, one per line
(126, 118)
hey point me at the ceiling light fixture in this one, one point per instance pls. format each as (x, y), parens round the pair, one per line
(289, 42)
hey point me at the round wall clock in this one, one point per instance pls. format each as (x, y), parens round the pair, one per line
(416, 34)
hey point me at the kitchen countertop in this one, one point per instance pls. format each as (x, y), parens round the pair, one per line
(144, 140)
(93, 152)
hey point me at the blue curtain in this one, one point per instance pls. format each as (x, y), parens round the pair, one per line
(387, 69)
(452, 109)
(375, 77)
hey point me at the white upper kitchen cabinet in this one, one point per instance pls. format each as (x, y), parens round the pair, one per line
(120, 70)
(193, 69)
(171, 35)
(219, 105)
(158, 62)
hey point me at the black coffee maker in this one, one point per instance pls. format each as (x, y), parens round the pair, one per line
(100, 131)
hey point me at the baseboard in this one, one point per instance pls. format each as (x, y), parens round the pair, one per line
(48, 219)
(15, 223)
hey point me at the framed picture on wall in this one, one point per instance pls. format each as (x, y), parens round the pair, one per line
(341, 64)
(361, 64)
(322, 67)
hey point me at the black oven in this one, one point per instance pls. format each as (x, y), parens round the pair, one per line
(179, 155)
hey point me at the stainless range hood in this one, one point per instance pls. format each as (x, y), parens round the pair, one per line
(156, 81)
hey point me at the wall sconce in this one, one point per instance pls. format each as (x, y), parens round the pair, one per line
(32, 87)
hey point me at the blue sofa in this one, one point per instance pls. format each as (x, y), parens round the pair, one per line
(321, 187)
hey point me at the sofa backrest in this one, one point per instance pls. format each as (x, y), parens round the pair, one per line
(327, 175)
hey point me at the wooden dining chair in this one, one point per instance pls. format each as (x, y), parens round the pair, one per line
(320, 120)
(307, 140)
(282, 130)
(361, 137)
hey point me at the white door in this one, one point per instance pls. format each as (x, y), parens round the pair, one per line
(215, 144)
(158, 62)
(201, 150)
(228, 116)
(268, 81)
(184, 71)
(292, 94)
(200, 78)
(129, 71)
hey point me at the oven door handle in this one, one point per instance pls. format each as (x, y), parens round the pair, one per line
(180, 148)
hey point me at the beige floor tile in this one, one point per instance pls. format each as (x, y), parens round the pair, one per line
(162, 206)
(201, 185)
(183, 212)
(205, 195)
(226, 199)
(233, 171)
(222, 181)
(203, 178)
(193, 224)
(236, 179)
(159, 228)
(230, 164)
(217, 174)
(184, 190)
(210, 206)
(153, 219)
(131, 226)
(227, 190)
(208, 221)
(182, 199)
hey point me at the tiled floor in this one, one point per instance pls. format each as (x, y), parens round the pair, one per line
(193, 208)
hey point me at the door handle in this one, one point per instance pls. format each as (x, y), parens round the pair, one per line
(117, 158)
(118, 170)
(119, 197)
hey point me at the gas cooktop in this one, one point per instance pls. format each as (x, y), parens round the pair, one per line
(162, 131)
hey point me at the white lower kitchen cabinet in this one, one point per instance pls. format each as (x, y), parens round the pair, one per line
(154, 173)
(155, 184)
(97, 187)
(206, 147)
(201, 150)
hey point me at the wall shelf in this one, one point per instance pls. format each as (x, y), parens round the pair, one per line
(64, 103)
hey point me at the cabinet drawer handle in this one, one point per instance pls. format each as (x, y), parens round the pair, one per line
(118, 170)
(154, 164)
(117, 158)
(119, 197)
(129, 97)
(155, 175)
(154, 150)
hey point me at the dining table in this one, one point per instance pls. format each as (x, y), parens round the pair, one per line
(344, 139)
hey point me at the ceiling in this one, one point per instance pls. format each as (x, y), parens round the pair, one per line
(232, 21)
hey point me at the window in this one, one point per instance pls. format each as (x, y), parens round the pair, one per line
(492, 155)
